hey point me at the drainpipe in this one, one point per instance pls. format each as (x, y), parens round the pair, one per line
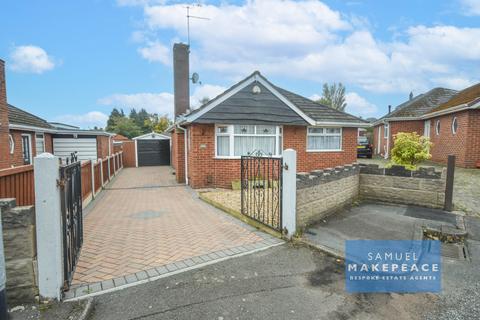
(387, 152)
(185, 147)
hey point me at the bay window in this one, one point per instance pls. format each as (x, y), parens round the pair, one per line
(241, 140)
(324, 139)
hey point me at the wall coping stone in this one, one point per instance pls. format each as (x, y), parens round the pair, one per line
(401, 171)
(317, 177)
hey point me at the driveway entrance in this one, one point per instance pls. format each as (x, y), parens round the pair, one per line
(145, 225)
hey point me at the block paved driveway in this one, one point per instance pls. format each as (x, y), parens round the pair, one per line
(143, 220)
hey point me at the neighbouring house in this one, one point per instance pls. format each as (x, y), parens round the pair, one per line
(118, 141)
(454, 128)
(24, 135)
(449, 118)
(252, 115)
(407, 117)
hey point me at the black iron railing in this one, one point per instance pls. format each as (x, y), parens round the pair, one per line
(261, 189)
(72, 217)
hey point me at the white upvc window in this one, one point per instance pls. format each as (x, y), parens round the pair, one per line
(234, 141)
(386, 130)
(324, 139)
(39, 143)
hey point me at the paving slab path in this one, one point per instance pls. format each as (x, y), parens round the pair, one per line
(145, 225)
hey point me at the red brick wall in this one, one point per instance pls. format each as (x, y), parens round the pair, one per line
(48, 143)
(16, 159)
(103, 146)
(464, 144)
(295, 137)
(4, 144)
(178, 155)
(206, 171)
(395, 127)
(473, 148)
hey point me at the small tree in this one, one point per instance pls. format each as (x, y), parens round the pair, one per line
(333, 96)
(410, 149)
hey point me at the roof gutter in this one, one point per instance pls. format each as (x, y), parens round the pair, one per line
(342, 124)
(14, 126)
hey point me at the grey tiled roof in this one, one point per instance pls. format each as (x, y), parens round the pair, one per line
(312, 109)
(20, 117)
(317, 111)
(422, 104)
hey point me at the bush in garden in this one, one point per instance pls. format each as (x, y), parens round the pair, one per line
(410, 149)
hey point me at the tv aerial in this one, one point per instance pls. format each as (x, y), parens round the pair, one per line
(192, 17)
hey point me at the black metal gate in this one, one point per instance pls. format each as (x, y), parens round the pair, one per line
(72, 217)
(261, 185)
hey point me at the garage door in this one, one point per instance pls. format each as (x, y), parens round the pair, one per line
(86, 148)
(153, 152)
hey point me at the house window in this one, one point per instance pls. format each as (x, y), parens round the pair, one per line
(40, 143)
(386, 130)
(11, 143)
(324, 139)
(454, 125)
(437, 127)
(239, 140)
(26, 149)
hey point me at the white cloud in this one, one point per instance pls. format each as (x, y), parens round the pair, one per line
(308, 40)
(88, 120)
(161, 103)
(471, 7)
(31, 59)
(356, 104)
(204, 91)
(359, 106)
(155, 52)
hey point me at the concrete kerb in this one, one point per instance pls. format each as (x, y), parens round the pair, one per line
(168, 273)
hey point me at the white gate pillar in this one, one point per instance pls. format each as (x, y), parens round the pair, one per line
(289, 192)
(49, 230)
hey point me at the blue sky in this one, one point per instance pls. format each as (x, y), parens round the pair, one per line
(73, 61)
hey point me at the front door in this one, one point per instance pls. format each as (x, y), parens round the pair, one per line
(26, 149)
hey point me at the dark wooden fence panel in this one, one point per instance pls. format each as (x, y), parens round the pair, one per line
(86, 179)
(98, 177)
(18, 183)
(105, 170)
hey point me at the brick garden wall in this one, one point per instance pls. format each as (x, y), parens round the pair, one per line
(20, 251)
(206, 171)
(424, 187)
(323, 192)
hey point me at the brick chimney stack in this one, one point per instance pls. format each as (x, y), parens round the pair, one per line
(4, 143)
(181, 78)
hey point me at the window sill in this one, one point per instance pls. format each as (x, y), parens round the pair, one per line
(323, 151)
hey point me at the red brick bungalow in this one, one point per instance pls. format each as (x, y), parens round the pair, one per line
(450, 119)
(254, 115)
(407, 117)
(24, 135)
(455, 128)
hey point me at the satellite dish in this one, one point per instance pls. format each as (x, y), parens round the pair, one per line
(195, 77)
